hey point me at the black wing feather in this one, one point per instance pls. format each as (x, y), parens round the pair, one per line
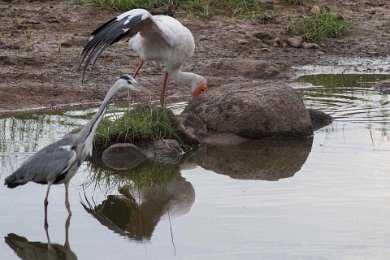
(106, 35)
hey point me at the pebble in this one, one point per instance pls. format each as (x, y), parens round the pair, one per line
(310, 45)
(295, 41)
(315, 10)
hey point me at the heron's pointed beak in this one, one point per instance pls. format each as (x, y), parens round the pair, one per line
(137, 87)
(201, 88)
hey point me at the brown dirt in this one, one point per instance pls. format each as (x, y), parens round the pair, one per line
(40, 45)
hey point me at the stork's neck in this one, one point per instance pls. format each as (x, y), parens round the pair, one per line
(187, 78)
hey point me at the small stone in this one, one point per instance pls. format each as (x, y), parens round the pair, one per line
(315, 9)
(262, 36)
(295, 41)
(242, 42)
(67, 43)
(310, 45)
(265, 49)
(277, 42)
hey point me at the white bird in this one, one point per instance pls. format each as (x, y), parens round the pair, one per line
(153, 37)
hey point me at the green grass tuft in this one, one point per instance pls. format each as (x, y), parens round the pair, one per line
(319, 26)
(143, 124)
(208, 8)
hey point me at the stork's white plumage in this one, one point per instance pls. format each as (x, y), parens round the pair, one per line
(153, 37)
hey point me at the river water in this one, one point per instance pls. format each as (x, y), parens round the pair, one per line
(322, 197)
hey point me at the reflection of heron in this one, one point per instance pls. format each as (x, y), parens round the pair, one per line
(58, 162)
(158, 37)
(41, 251)
(137, 218)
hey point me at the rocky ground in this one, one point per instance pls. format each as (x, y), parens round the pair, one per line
(41, 42)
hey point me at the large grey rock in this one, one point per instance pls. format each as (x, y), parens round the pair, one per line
(252, 110)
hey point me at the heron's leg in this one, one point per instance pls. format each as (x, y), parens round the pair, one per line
(164, 87)
(67, 224)
(48, 237)
(46, 202)
(134, 75)
(67, 204)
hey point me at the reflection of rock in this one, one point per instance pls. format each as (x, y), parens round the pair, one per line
(260, 159)
(223, 139)
(137, 218)
(123, 156)
(251, 110)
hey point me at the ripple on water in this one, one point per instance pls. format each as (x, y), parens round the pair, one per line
(347, 97)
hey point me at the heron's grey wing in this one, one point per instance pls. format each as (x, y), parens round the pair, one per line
(44, 166)
(125, 25)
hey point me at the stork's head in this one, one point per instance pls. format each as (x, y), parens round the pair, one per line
(199, 85)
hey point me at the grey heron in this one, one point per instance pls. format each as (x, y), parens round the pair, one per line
(153, 37)
(58, 162)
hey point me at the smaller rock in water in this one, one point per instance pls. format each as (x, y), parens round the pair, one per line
(383, 87)
(123, 156)
(319, 119)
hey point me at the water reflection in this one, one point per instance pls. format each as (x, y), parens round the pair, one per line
(146, 194)
(37, 250)
(350, 98)
(262, 159)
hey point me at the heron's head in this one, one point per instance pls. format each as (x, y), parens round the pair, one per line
(130, 83)
(199, 86)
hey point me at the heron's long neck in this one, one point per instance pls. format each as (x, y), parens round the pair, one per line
(88, 131)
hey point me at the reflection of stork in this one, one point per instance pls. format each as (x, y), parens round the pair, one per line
(137, 219)
(58, 162)
(153, 37)
(41, 251)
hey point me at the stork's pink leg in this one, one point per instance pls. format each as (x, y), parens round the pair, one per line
(138, 68)
(164, 87)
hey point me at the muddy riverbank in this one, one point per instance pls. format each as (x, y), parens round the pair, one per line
(41, 44)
